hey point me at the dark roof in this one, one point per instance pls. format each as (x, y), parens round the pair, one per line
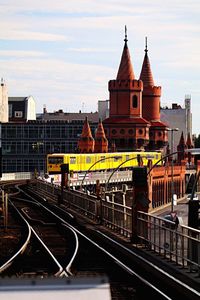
(61, 116)
(17, 99)
(126, 121)
(158, 124)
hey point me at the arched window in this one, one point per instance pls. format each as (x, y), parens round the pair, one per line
(134, 101)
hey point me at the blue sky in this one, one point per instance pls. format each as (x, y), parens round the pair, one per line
(63, 52)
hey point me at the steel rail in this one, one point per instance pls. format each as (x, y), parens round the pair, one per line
(60, 272)
(67, 268)
(152, 265)
(127, 268)
(23, 247)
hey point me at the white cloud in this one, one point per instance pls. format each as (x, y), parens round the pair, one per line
(57, 83)
(92, 6)
(91, 50)
(28, 35)
(20, 53)
(69, 50)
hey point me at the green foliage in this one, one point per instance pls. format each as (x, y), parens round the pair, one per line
(197, 142)
(197, 145)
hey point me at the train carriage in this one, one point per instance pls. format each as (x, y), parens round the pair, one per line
(98, 161)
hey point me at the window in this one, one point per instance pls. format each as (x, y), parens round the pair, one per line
(18, 114)
(134, 101)
(88, 159)
(56, 160)
(102, 159)
(72, 160)
(10, 110)
(130, 131)
(114, 131)
(140, 131)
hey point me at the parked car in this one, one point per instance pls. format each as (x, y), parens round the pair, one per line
(170, 218)
(194, 198)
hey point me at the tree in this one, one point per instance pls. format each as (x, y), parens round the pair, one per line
(197, 145)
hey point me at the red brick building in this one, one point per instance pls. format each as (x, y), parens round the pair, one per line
(134, 118)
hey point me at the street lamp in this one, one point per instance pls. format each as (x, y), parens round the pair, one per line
(135, 157)
(172, 166)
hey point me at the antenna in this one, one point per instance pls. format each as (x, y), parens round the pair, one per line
(125, 40)
(146, 50)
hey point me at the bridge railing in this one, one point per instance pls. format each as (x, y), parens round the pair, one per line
(113, 215)
(178, 244)
(117, 217)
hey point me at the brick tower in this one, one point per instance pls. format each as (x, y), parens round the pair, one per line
(86, 141)
(190, 157)
(101, 142)
(125, 126)
(181, 147)
(151, 106)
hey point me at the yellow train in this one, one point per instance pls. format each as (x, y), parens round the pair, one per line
(98, 161)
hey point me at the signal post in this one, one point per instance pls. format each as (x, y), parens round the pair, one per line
(140, 197)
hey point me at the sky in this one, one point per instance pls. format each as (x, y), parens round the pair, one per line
(63, 53)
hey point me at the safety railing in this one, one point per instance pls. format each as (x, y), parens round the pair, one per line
(180, 245)
(177, 244)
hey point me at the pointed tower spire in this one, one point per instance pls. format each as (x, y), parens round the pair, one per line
(125, 68)
(86, 142)
(181, 147)
(101, 142)
(189, 141)
(190, 145)
(146, 74)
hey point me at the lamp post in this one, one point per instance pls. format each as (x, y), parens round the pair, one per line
(172, 166)
(135, 157)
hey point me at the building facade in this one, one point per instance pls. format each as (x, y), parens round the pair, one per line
(178, 117)
(25, 145)
(134, 115)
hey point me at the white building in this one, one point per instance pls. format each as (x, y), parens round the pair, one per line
(103, 109)
(3, 102)
(21, 108)
(178, 117)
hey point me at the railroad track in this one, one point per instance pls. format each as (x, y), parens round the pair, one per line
(130, 274)
(52, 244)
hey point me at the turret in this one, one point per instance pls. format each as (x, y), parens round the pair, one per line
(151, 93)
(101, 142)
(181, 147)
(86, 141)
(125, 126)
(190, 145)
(125, 91)
(151, 106)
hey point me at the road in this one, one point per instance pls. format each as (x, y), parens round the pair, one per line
(181, 209)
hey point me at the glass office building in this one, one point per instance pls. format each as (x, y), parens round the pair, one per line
(25, 145)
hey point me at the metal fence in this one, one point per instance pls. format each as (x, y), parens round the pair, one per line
(180, 245)
(16, 176)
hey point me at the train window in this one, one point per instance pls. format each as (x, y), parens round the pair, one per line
(88, 159)
(72, 160)
(55, 160)
(103, 159)
(117, 158)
